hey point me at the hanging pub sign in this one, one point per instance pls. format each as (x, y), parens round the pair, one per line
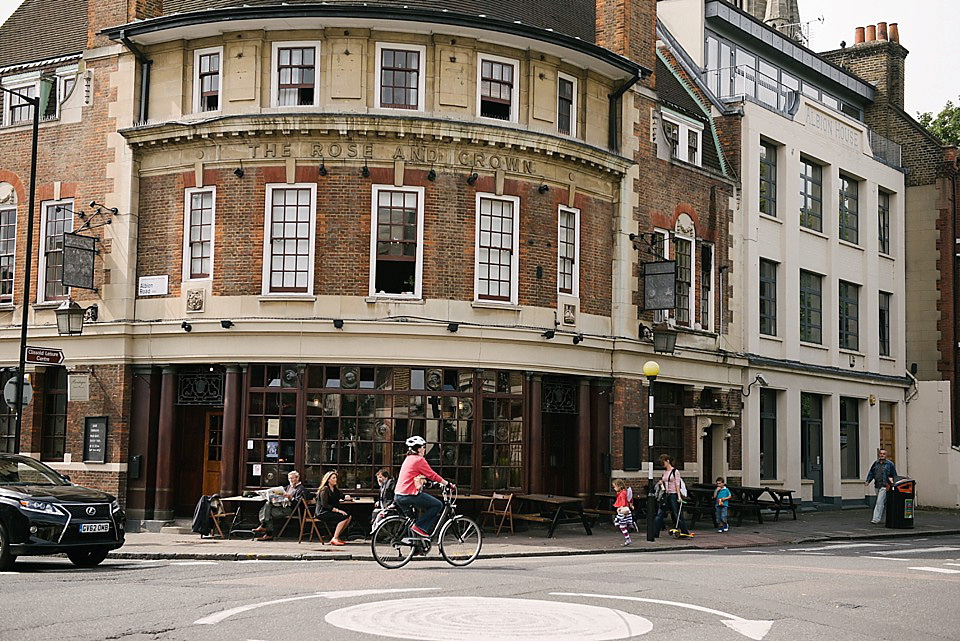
(78, 255)
(659, 285)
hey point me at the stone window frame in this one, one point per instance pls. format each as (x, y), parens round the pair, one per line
(65, 77)
(197, 89)
(684, 127)
(12, 254)
(574, 113)
(883, 221)
(24, 83)
(574, 260)
(848, 222)
(884, 310)
(514, 251)
(275, 73)
(42, 256)
(514, 89)
(810, 325)
(848, 315)
(266, 289)
(418, 269)
(771, 318)
(421, 75)
(768, 201)
(187, 225)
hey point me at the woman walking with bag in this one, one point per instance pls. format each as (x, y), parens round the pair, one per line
(674, 489)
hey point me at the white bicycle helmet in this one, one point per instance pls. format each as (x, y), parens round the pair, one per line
(414, 442)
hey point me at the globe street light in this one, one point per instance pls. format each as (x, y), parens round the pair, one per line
(651, 369)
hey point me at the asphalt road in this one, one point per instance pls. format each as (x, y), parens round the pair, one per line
(908, 589)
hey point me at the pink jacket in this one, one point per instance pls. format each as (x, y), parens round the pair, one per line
(414, 466)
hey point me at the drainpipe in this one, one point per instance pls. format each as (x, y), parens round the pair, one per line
(956, 308)
(144, 75)
(613, 140)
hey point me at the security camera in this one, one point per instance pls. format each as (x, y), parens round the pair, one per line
(763, 382)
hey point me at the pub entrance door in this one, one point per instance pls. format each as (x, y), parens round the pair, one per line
(213, 437)
(560, 454)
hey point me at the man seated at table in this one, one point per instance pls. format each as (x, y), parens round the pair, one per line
(279, 506)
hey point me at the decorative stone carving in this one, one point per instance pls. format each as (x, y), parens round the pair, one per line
(194, 300)
(685, 226)
(569, 314)
(8, 195)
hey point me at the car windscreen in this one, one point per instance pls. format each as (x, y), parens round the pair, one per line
(26, 472)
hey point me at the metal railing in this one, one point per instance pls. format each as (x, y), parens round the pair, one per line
(744, 81)
(885, 149)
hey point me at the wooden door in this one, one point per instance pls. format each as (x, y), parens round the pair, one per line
(213, 438)
(888, 429)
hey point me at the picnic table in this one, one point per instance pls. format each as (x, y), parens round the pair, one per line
(554, 510)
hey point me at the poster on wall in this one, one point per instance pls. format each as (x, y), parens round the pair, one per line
(95, 439)
(272, 449)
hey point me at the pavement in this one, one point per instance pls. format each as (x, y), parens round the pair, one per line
(810, 527)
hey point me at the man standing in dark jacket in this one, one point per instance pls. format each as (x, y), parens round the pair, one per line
(881, 473)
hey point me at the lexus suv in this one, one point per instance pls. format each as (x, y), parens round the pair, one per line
(42, 512)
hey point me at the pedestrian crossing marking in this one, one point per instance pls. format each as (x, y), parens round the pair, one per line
(939, 570)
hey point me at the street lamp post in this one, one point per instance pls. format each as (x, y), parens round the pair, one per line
(651, 369)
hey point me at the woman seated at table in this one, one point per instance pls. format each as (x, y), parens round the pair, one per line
(328, 506)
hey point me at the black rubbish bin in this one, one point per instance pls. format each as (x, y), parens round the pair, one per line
(900, 500)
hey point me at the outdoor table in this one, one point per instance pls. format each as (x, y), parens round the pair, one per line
(561, 510)
(244, 505)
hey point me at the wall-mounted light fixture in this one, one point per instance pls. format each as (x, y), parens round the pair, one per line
(543, 188)
(70, 317)
(759, 380)
(549, 334)
(322, 169)
(365, 172)
(431, 175)
(472, 178)
(338, 323)
(238, 172)
(664, 339)
(187, 327)
(453, 327)
(577, 339)
(226, 324)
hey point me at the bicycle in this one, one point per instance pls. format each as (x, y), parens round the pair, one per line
(458, 537)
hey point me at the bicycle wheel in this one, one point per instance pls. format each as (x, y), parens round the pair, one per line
(460, 541)
(387, 543)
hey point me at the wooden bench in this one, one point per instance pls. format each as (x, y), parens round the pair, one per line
(779, 501)
(745, 500)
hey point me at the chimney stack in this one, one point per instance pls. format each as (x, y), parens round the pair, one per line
(871, 33)
(881, 31)
(858, 36)
(894, 32)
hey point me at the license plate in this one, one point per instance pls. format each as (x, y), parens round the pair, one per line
(88, 528)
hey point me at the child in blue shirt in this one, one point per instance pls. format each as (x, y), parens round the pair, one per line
(721, 495)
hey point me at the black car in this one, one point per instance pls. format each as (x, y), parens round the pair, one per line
(42, 512)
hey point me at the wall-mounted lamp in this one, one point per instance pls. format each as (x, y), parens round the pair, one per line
(577, 339)
(338, 323)
(365, 172)
(453, 327)
(472, 178)
(431, 175)
(543, 188)
(238, 172)
(187, 327)
(71, 317)
(549, 334)
(226, 324)
(758, 380)
(322, 169)
(664, 339)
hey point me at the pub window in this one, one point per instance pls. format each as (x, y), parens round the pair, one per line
(668, 422)
(768, 179)
(8, 420)
(683, 254)
(198, 232)
(57, 220)
(706, 287)
(8, 248)
(768, 434)
(849, 438)
(289, 239)
(497, 247)
(567, 104)
(400, 81)
(811, 307)
(884, 318)
(811, 194)
(53, 435)
(883, 220)
(849, 310)
(497, 94)
(568, 252)
(849, 209)
(768, 297)
(397, 233)
(271, 438)
(295, 74)
(207, 79)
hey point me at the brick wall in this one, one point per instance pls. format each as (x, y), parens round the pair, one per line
(629, 27)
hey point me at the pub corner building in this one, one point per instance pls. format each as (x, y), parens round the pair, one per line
(322, 228)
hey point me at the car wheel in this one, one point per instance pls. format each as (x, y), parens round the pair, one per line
(6, 559)
(87, 559)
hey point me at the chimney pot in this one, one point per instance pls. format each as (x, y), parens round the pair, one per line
(858, 37)
(894, 32)
(881, 31)
(871, 32)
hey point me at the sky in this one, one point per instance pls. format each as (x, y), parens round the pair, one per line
(927, 30)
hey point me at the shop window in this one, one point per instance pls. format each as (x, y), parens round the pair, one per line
(849, 209)
(497, 247)
(400, 80)
(768, 297)
(207, 79)
(768, 434)
(501, 448)
(567, 104)
(811, 194)
(198, 233)
(849, 438)
(53, 435)
(295, 78)
(668, 422)
(497, 92)
(849, 315)
(8, 248)
(568, 251)
(289, 239)
(57, 220)
(271, 438)
(811, 307)
(397, 241)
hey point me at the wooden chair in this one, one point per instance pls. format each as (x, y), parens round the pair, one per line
(218, 513)
(296, 513)
(307, 517)
(503, 513)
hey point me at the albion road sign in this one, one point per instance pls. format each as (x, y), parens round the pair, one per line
(44, 355)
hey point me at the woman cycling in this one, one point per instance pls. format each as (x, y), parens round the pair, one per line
(409, 494)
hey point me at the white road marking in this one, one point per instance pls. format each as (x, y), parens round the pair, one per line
(954, 564)
(816, 553)
(940, 570)
(220, 616)
(195, 563)
(841, 546)
(756, 552)
(921, 550)
(886, 558)
(751, 629)
(9, 572)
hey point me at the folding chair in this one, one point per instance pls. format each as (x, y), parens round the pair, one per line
(217, 514)
(504, 513)
(307, 517)
(297, 513)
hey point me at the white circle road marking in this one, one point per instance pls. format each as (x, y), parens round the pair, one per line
(488, 619)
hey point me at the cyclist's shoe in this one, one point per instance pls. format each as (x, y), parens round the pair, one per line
(419, 532)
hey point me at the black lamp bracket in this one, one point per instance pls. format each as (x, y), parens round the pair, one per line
(101, 213)
(646, 242)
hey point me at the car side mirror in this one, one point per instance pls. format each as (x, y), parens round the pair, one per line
(66, 477)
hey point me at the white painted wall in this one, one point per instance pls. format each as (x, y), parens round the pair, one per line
(930, 459)
(684, 20)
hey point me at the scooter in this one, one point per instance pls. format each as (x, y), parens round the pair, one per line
(675, 530)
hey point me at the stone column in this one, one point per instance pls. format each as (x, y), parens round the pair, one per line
(585, 448)
(232, 409)
(166, 432)
(535, 449)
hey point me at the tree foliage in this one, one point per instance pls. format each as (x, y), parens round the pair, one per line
(945, 125)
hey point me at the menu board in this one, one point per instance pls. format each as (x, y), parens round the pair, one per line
(95, 439)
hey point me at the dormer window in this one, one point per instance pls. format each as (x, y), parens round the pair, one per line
(685, 137)
(497, 95)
